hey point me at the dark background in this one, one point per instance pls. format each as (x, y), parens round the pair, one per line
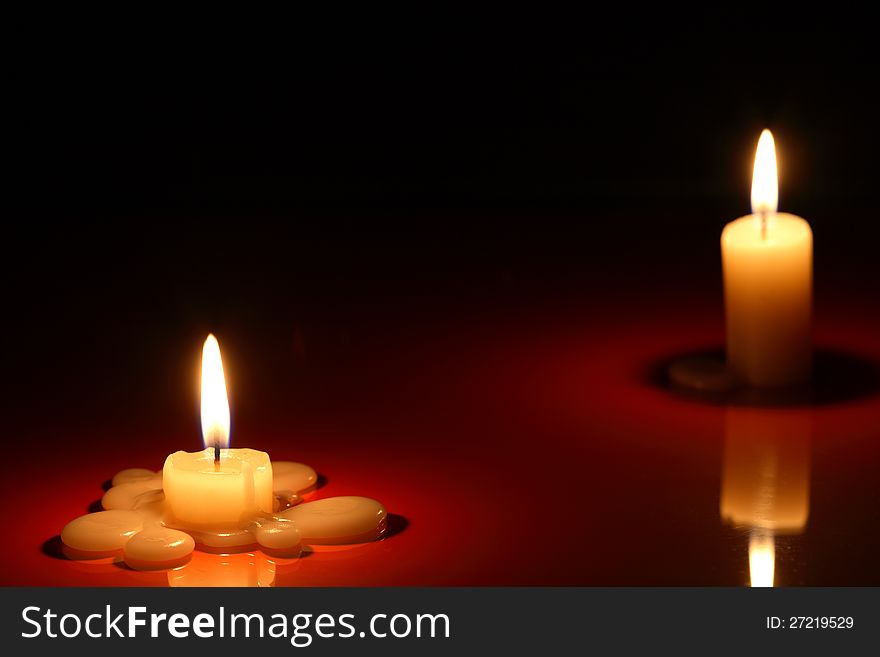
(294, 174)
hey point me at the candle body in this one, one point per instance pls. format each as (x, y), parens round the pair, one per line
(768, 291)
(198, 494)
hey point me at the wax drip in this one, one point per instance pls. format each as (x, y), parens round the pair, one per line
(229, 539)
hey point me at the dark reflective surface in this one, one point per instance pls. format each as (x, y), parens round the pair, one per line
(522, 444)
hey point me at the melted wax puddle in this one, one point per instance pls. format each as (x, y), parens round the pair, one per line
(136, 520)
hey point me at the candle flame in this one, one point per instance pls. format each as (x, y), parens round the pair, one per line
(765, 180)
(762, 558)
(215, 403)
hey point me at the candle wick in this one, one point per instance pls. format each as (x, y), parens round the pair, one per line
(763, 224)
(216, 453)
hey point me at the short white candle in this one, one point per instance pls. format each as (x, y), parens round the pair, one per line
(219, 497)
(200, 493)
(217, 487)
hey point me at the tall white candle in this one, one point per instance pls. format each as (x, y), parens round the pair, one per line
(767, 259)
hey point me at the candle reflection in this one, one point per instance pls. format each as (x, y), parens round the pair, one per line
(765, 483)
(244, 569)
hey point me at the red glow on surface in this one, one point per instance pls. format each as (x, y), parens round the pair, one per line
(508, 453)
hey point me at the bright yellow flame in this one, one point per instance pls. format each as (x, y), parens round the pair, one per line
(765, 180)
(762, 558)
(215, 404)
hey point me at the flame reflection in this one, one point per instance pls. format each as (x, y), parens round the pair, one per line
(762, 558)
